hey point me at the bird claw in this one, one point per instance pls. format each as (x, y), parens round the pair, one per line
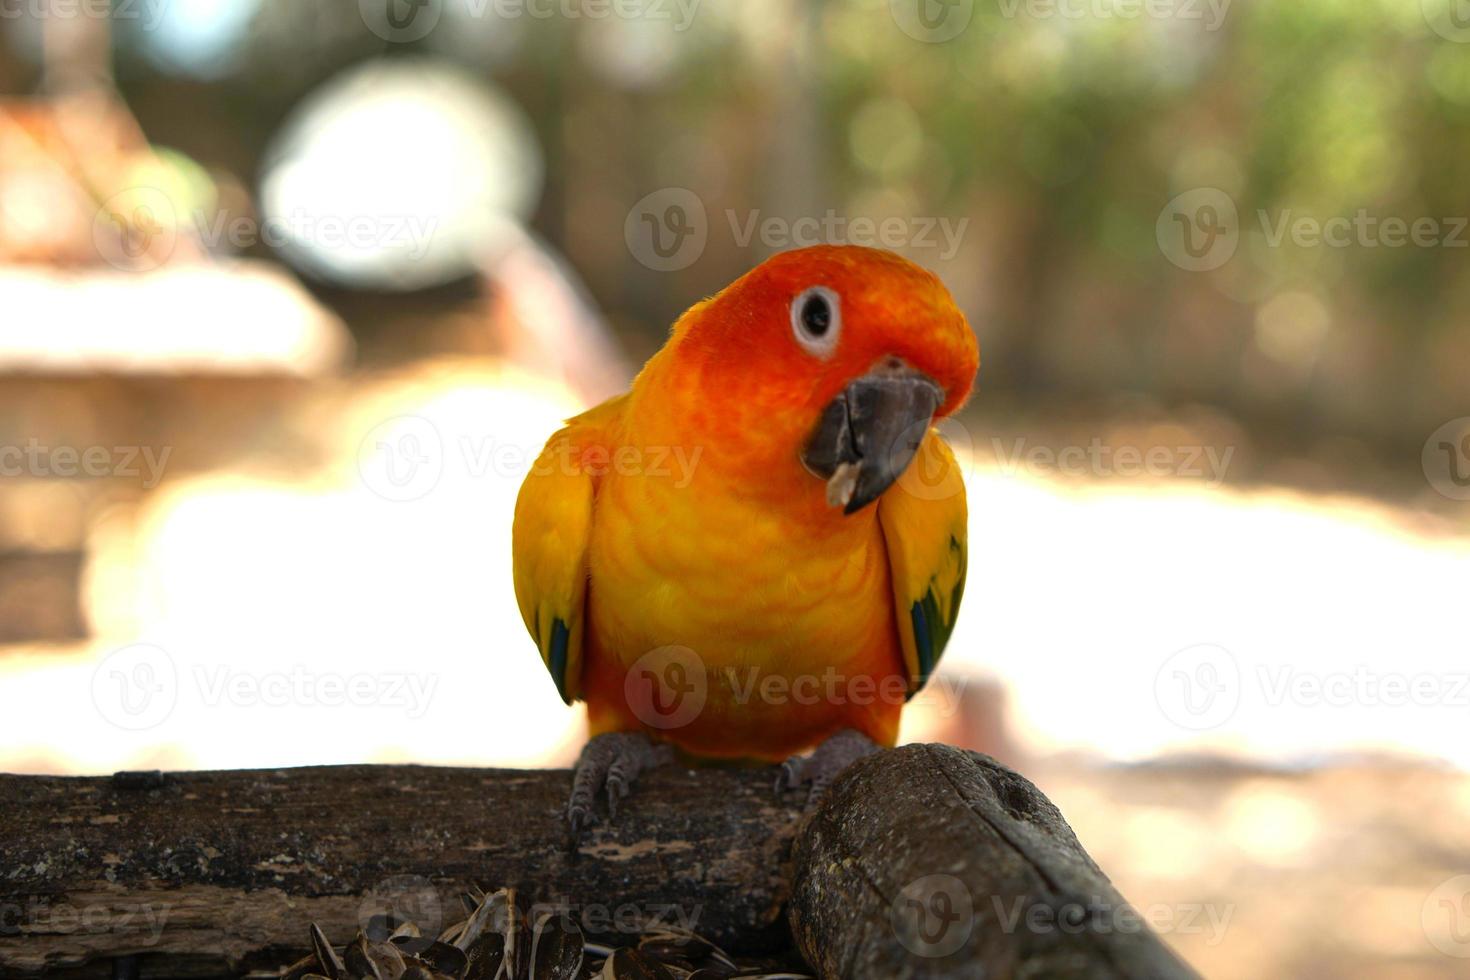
(610, 764)
(825, 764)
(789, 774)
(580, 816)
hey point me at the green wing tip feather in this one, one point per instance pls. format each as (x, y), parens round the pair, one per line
(931, 630)
(556, 657)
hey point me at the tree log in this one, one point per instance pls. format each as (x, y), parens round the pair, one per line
(215, 873)
(925, 861)
(929, 862)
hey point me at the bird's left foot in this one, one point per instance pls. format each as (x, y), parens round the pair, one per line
(825, 763)
(611, 761)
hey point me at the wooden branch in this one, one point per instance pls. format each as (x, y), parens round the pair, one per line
(932, 862)
(921, 862)
(212, 873)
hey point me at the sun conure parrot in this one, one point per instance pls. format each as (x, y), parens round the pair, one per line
(794, 579)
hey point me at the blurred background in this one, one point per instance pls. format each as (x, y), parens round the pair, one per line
(292, 291)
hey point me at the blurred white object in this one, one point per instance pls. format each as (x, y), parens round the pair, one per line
(230, 317)
(400, 175)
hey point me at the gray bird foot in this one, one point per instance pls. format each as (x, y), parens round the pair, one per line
(825, 763)
(611, 762)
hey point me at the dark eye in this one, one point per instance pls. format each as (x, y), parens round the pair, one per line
(816, 315)
(816, 319)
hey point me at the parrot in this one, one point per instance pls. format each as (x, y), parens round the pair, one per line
(756, 554)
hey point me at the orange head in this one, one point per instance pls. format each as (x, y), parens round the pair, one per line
(821, 365)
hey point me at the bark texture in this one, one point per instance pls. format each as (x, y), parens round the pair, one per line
(931, 862)
(213, 873)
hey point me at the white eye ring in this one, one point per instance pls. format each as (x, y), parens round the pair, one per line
(816, 320)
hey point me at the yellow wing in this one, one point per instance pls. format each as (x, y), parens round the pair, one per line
(553, 523)
(923, 517)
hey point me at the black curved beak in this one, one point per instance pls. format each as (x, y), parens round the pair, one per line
(869, 434)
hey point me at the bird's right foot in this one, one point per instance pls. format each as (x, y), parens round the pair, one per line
(612, 762)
